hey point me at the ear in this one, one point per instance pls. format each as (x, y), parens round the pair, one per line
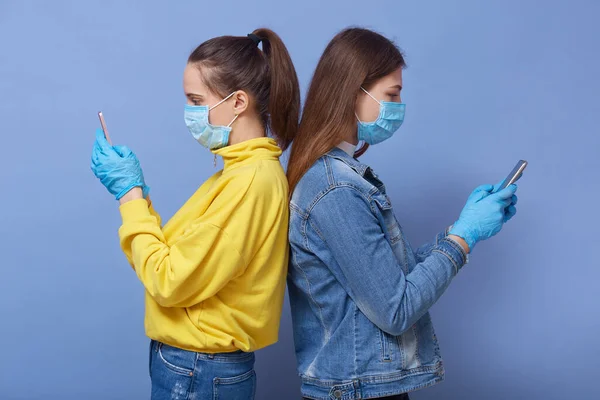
(241, 101)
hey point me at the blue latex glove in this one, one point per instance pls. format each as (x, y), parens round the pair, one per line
(484, 213)
(117, 167)
(511, 210)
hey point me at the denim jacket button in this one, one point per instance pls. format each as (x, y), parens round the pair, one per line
(337, 394)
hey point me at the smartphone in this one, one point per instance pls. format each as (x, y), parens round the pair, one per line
(515, 174)
(103, 123)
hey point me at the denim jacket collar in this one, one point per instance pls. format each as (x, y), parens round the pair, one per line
(363, 170)
(352, 162)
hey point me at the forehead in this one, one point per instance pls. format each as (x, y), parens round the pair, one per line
(192, 79)
(394, 78)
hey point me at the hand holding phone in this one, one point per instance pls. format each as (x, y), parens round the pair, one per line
(480, 219)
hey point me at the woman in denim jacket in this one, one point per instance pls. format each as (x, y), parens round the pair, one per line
(359, 293)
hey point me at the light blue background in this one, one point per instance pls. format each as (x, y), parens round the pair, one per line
(488, 83)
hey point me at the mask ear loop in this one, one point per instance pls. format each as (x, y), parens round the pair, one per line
(231, 123)
(371, 96)
(219, 103)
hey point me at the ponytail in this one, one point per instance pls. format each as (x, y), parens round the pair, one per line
(284, 99)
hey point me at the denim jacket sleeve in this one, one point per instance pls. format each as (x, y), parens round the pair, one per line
(425, 250)
(364, 262)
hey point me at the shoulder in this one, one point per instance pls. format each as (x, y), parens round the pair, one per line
(261, 180)
(331, 177)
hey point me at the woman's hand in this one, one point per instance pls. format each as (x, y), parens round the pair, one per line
(484, 214)
(117, 168)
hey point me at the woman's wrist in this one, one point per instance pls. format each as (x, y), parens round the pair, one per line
(461, 242)
(133, 194)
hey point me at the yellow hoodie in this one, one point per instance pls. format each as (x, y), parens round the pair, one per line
(215, 273)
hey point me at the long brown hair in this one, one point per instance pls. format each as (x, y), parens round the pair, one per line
(355, 57)
(230, 63)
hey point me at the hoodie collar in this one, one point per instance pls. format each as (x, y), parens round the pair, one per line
(248, 151)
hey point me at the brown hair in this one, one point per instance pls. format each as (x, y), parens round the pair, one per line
(231, 63)
(355, 57)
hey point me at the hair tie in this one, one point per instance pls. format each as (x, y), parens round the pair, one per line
(254, 38)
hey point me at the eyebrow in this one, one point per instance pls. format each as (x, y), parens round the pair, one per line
(396, 87)
(190, 95)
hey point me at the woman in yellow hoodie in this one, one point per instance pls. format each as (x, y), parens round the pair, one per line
(215, 273)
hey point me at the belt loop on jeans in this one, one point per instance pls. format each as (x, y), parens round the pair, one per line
(357, 391)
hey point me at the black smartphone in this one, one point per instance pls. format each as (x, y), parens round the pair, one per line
(515, 174)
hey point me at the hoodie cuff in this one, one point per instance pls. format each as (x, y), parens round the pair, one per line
(134, 210)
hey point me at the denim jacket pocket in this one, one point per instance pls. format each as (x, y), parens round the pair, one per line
(389, 346)
(392, 228)
(393, 231)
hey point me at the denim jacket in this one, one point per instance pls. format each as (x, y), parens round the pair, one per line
(359, 294)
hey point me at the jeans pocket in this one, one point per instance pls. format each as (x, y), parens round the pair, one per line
(180, 361)
(241, 387)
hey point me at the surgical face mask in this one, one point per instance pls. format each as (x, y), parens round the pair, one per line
(391, 116)
(208, 135)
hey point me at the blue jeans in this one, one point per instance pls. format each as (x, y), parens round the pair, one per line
(396, 397)
(184, 375)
